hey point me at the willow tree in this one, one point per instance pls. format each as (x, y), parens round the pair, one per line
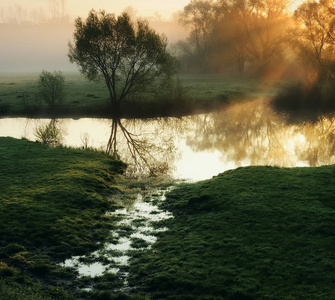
(131, 58)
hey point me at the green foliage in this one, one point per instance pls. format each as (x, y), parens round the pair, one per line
(51, 87)
(249, 233)
(200, 16)
(314, 39)
(129, 58)
(49, 134)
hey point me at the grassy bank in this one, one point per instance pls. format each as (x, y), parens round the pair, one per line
(18, 96)
(52, 204)
(250, 233)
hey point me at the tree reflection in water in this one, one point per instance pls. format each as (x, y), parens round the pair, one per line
(243, 134)
(252, 134)
(319, 146)
(148, 150)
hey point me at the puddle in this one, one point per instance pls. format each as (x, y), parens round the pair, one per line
(135, 231)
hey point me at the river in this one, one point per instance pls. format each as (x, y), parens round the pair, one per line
(196, 147)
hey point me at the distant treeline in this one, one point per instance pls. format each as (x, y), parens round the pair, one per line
(263, 38)
(259, 37)
(54, 12)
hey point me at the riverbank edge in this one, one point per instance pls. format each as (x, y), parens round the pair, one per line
(130, 110)
(53, 204)
(194, 94)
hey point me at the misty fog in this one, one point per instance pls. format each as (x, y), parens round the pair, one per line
(31, 48)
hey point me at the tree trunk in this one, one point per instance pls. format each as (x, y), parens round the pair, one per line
(116, 108)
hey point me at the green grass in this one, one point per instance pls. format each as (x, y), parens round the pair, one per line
(53, 196)
(52, 204)
(250, 233)
(215, 87)
(10, 290)
(18, 96)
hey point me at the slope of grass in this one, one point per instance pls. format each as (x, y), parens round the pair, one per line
(250, 233)
(205, 88)
(52, 205)
(53, 193)
(11, 290)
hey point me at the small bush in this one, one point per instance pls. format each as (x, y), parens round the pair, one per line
(172, 90)
(51, 87)
(49, 134)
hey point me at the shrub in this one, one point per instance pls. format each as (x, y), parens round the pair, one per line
(51, 87)
(49, 134)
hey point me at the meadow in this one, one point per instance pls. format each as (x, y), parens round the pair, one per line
(52, 206)
(189, 94)
(249, 233)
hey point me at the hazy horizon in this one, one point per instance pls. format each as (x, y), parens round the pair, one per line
(28, 48)
(31, 41)
(144, 8)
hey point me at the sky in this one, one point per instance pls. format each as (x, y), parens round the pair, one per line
(81, 7)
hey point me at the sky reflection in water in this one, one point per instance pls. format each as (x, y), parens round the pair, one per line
(200, 146)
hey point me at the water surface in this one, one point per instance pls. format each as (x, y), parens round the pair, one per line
(136, 230)
(199, 146)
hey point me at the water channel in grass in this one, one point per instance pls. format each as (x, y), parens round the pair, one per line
(192, 148)
(136, 230)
